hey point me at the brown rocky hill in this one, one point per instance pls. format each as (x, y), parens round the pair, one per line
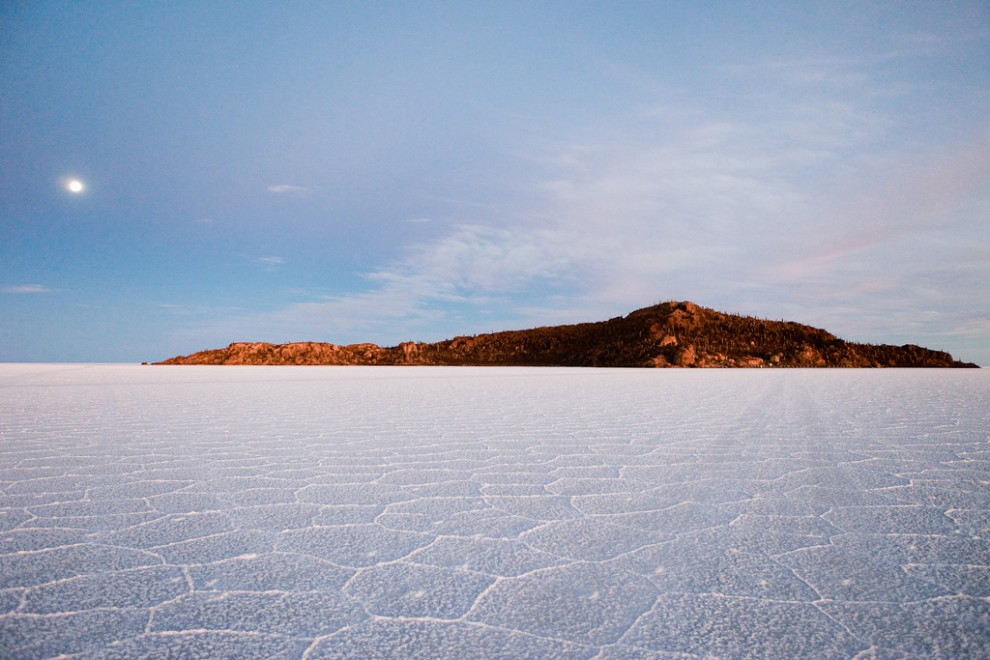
(671, 334)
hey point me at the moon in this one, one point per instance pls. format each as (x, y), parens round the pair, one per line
(75, 186)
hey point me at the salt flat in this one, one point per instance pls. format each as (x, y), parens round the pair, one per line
(493, 512)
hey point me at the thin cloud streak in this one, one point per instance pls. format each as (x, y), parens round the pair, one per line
(26, 289)
(287, 189)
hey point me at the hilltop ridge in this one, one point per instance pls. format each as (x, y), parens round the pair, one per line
(670, 334)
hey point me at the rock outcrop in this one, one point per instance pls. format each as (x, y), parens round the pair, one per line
(671, 334)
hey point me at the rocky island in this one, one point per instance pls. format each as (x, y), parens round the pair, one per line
(670, 334)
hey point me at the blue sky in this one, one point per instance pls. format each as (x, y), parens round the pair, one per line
(386, 171)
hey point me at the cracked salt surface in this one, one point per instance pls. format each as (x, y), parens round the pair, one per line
(504, 512)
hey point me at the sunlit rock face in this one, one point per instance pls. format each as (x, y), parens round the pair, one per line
(674, 334)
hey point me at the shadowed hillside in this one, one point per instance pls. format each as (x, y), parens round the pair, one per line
(671, 334)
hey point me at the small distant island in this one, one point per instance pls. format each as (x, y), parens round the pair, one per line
(670, 334)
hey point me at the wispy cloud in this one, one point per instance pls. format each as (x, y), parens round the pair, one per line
(614, 223)
(474, 267)
(204, 311)
(478, 260)
(270, 261)
(800, 210)
(288, 189)
(907, 200)
(26, 288)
